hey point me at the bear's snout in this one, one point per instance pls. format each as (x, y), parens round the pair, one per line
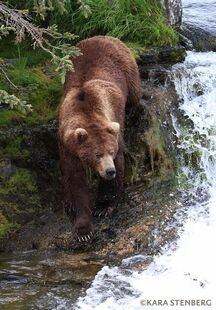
(110, 173)
(106, 168)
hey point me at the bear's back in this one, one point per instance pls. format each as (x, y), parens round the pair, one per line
(104, 58)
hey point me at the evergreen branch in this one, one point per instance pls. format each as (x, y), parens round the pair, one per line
(14, 102)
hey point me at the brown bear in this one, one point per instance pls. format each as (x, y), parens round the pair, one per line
(91, 126)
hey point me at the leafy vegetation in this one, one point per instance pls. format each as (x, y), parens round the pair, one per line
(50, 40)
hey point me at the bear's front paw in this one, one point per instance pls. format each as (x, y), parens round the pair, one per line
(83, 230)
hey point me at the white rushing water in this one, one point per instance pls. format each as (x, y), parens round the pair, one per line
(184, 276)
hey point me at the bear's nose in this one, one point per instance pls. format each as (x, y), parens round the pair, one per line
(110, 173)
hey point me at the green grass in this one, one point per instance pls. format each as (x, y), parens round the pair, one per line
(134, 20)
(139, 21)
(36, 80)
(7, 117)
(11, 50)
(38, 85)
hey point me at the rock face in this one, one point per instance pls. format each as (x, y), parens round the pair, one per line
(173, 11)
(30, 192)
(194, 37)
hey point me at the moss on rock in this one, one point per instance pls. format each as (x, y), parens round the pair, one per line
(19, 198)
(6, 227)
(14, 147)
(21, 181)
(160, 160)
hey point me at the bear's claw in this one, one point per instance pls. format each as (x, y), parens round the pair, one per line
(85, 238)
(83, 229)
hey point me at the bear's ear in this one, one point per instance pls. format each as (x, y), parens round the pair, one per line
(114, 128)
(81, 134)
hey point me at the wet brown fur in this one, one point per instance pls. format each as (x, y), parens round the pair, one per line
(95, 95)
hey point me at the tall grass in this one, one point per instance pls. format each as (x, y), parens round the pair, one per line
(141, 21)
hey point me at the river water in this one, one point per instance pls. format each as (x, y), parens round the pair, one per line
(201, 13)
(183, 276)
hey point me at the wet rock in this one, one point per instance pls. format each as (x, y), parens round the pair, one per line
(155, 64)
(7, 169)
(173, 11)
(166, 56)
(193, 37)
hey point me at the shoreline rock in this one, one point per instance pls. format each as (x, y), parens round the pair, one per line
(193, 37)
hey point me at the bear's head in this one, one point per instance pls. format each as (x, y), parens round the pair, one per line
(96, 146)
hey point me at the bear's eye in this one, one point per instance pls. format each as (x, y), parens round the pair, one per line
(111, 152)
(99, 155)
